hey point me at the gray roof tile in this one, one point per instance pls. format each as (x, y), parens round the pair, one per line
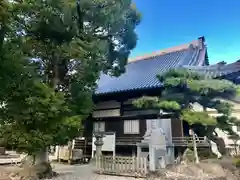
(216, 70)
(141, 74)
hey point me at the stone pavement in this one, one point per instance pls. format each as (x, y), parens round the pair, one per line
(82, 172)
(70, 172)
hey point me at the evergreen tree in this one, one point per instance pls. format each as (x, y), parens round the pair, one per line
(182, 89)
(57, 49)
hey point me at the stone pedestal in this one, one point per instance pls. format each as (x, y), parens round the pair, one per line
(170, 154)
(152, 159)
(158, 148)
(158, 139)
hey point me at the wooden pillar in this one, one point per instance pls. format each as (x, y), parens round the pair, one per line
(182, 128)
(134, 151)
(177, 128)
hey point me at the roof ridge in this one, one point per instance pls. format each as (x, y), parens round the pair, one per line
(195, 43)
(145, 57)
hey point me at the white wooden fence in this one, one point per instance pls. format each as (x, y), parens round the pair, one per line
(123, 166)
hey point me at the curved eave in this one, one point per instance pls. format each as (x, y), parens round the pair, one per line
(128, 90)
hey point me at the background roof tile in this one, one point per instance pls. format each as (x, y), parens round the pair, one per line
(216, 70)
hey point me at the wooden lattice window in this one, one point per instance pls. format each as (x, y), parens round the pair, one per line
(131, 127)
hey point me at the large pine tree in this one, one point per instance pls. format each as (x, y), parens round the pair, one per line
(183, 89)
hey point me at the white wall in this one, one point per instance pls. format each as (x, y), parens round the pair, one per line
(213, 112)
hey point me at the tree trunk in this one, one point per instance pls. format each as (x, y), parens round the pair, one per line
(55, 71)
(42, 157)
(39, 164)
(214, 137)
(40, 161)
(219, 142)
(70, 147)
(36, 159)
(195, 147)
(2, 35)
(2, 150)
(236, 148)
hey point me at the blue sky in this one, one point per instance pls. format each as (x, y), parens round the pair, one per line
(167, 23)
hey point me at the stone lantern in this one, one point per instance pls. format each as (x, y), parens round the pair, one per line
(99, 142)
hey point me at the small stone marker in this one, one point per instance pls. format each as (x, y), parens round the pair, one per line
(157, 150)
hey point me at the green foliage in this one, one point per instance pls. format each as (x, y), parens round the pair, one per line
(183, 88)
(212, 87)
(52, 53)
(236, 161)
(198, 118)
(195, 88)
(222, 107)
(179, 74)
(198, 84)
(37, 117)
(146, 102)
(153, 102)
(113, 22)
(3, 12)
(169, 106)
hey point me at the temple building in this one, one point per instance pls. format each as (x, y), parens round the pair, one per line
(126, 126)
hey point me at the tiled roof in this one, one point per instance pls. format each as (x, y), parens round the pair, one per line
(194, 43)
(141, 72)
(216, 70)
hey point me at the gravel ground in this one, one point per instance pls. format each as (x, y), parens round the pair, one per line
(82, 172)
